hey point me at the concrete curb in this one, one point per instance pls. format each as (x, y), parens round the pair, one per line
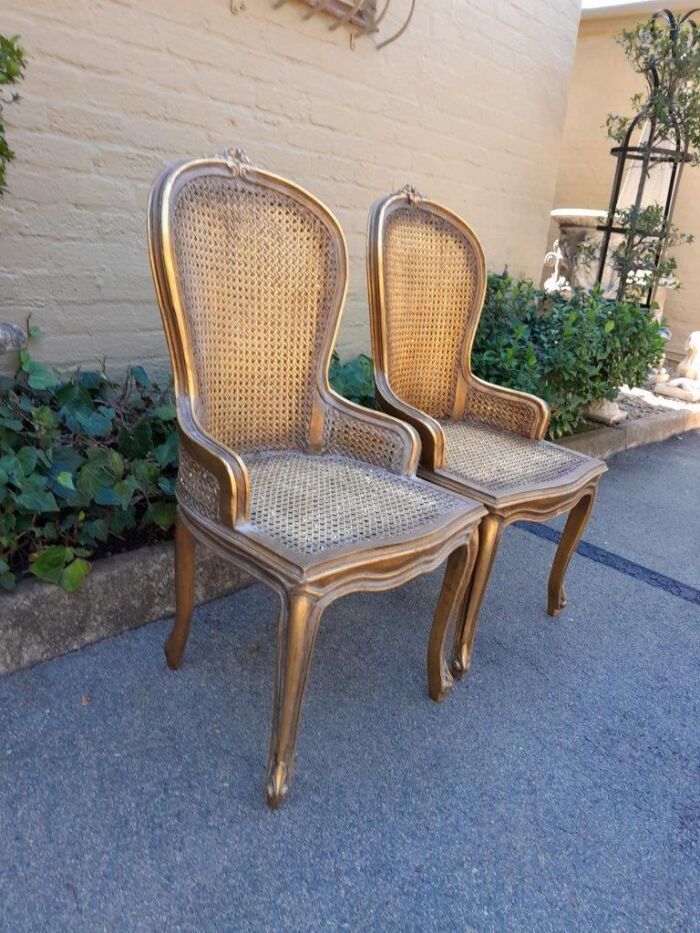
(605, 442)
(39, 621)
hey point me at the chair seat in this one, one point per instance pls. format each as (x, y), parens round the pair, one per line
(497, 460)
(315, 503)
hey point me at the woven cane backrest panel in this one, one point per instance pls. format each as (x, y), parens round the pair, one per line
(345, 433)
(497, 459)
(312, 504)
(513, 414)
(257, 271)
(431, 274)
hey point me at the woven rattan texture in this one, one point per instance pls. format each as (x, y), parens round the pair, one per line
(315, 503)
(431, 275)
(197, 489)
(257, 271)
(511, 414)
(496, 459)
(349, 435)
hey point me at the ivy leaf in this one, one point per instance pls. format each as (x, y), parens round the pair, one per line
(37, 501)
(167, 453)
(163, 514)
(74, 574)
(138, 442)
(125, 490)
(13, 468)
(7, 582)
(65, 479)
(94, 530)
(140, 377)
(165, 412)
(95, 423)
(166, 485)
(28, 457)
(101, 471)
(40, 377)
(107, 496)
(146, 472)
(48, 564)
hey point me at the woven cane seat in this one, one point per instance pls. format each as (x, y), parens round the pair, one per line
(310, 503)
(495, 459)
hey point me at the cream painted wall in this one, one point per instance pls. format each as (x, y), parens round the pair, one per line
(468, 105)
(603, 82)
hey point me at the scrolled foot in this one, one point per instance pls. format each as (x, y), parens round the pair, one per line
(557, 603)
(174, 653)
(277, 788)
(461, 662)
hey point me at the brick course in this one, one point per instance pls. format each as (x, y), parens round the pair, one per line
(468, 105)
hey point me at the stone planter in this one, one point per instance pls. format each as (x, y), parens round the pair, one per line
(39, 621)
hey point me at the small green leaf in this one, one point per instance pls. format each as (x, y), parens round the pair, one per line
(48, 564)
(28, 457)
(167, 453)
(140, 377)
(65, 479)
(165, 412)
(95, 423)
(37, 501)
(74, 574)
(40, 377)
(163, 514)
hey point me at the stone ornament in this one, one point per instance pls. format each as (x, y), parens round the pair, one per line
(12, 337)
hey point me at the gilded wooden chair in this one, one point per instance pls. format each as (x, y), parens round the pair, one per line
(309, 493)
(427, 282)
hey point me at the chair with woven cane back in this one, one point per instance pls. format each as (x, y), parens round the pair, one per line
(427, 282)
(311, 494)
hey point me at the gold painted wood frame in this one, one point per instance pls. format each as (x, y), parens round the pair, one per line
(312, 495)
(427, 281)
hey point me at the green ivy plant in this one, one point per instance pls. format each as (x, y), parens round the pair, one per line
(12, 63)
(87, 467)
(354, 379)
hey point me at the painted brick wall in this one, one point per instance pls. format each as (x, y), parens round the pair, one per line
(468, 105)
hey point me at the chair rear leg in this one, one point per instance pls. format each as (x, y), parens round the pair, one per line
(184, 595)
(575, 525)
(296, 636)
(490, 531)
(460, 566)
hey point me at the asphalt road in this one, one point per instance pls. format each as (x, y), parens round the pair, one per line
(556, 788)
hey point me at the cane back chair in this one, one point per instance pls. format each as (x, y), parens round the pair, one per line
(308, 492)
(427, 282)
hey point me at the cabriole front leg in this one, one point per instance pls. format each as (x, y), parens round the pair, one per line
(460, 565)
(490, 531)
(296, 635)
(574, 528)
(184, 595)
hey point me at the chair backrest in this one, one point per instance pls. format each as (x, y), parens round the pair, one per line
(251, 274)
(427, 279)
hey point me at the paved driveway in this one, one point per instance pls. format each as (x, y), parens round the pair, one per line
(556, 789)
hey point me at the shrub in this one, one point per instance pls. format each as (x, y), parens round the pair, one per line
(87, 467)
(569, 351)
(12, 63)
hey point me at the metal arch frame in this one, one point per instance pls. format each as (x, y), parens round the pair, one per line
(647, 155)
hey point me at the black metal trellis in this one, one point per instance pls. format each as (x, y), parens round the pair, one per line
(673, 152)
